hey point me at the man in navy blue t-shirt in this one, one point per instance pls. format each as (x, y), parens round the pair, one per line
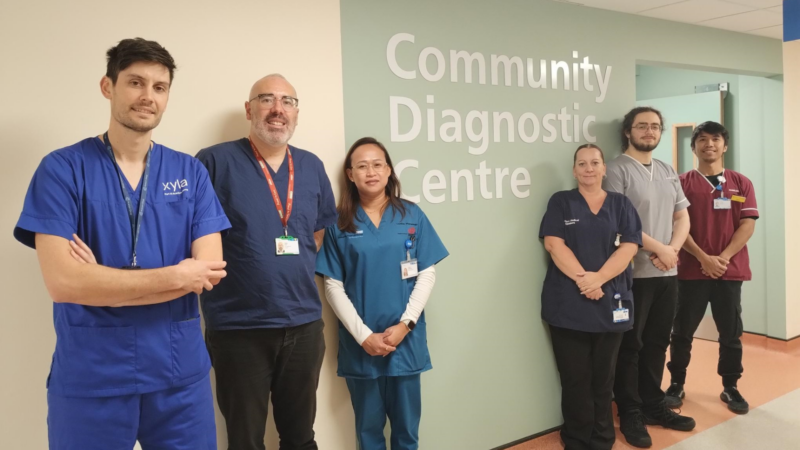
(264, 323)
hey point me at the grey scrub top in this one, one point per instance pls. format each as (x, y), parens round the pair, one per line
(656, 194)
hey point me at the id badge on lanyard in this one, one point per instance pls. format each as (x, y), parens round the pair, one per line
(620, 314)
(135, 220)
(721, 202)
(408, 268)
(284, 245)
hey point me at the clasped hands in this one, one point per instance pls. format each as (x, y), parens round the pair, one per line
(591, 285)
(665, 258)
(381, 344)
(712, 266)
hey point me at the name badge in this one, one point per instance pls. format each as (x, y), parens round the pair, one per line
(287, 245)
(408, 269)
(738, 198)
(722, 203)
(621, 315)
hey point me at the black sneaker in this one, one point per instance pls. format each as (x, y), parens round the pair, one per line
(667, 418)
(735, 401)
(674, 396)
(632, 426)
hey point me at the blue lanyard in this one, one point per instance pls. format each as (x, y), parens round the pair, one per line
(136, 222)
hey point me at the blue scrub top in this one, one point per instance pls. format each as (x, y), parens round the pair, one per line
(103, 351)
(263, 290)
(367, 262)
(591, 238)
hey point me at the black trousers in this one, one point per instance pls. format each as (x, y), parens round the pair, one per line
(640, 365)
(586, 366)
(250, 364)
(726, 307)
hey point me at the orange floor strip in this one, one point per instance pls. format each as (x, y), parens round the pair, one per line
(771, 369)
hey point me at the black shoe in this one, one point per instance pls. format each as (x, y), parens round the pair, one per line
(632, 426)
(735, 401)
(674, 396)
(667, 418)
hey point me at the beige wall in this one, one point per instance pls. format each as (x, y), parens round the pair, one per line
(52, 60)
(791, 148)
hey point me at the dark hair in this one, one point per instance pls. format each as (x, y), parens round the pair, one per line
(130, 51)
(627, 122)
(575, 157)
(348, 203)
(712, 128)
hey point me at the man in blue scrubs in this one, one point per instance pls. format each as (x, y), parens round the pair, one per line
(127, 233)
(264, 322)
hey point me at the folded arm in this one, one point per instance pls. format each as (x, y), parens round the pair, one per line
(71, 281)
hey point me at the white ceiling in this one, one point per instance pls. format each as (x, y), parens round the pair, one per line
(759, 17)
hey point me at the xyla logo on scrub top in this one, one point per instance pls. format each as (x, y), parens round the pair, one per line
(176, 187)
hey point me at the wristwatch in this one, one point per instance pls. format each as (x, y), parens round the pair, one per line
(410, 324)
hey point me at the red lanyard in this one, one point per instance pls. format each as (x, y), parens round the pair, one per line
(274, 190)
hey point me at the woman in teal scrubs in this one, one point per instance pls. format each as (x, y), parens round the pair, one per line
(378, 264)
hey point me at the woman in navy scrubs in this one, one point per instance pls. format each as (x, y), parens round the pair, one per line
(378, 263)
(591, 236)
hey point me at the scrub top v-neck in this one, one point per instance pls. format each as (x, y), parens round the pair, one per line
(104, 351)
(263, 289)
(367, 262)
(592, 238)
(656, 194)
(712, 229)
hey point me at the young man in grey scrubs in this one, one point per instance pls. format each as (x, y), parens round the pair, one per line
(655, 191)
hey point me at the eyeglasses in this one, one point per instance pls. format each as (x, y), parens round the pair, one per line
(644, 127)
(363, 167)
(268, 101)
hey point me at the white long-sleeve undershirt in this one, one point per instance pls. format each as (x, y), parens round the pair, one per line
(347, 314)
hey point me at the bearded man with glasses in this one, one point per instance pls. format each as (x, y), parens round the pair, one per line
(655, 191)
(264, 326)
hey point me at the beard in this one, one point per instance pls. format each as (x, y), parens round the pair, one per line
(136, 125)
(644, 146)
(274, 138)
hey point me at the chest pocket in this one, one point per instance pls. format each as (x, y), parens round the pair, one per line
(304, 210)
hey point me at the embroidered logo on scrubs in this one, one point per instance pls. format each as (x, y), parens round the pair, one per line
(571, 221)
(176, 187)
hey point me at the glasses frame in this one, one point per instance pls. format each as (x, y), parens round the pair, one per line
(261, 97)
(647, 127)
(371, 165)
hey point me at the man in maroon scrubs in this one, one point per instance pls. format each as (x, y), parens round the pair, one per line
(713, 263)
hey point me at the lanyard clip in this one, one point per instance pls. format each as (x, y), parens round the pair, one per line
(286, 231)
(134, 259)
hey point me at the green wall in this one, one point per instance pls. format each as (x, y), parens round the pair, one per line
(754, 117)
(658, 82)
(693, 108)
(494, 379)
(761, 159)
